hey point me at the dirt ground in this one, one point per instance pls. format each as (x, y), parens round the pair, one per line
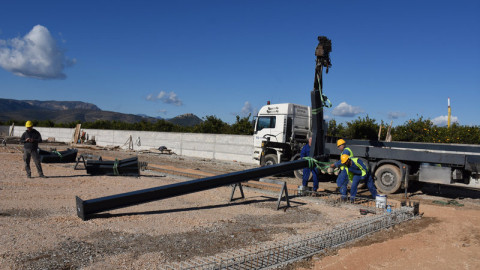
(40, 228)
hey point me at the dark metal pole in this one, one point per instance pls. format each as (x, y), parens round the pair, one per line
(88, 207)
(318, 138)
(322, 53)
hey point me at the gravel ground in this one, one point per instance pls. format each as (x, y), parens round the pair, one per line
(40, 229)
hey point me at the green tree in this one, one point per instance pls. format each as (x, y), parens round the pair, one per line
(162, 125)
(419, 130)
(46, 123)
(212, 124)
(242, 126)
(362, 128)
(336, 130)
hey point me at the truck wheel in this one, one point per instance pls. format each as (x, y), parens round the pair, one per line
(299, 173)
(387, 179)
(271, 159)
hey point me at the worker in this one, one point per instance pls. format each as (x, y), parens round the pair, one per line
(30, 139)
(306, 171)
(357, 171)
(341, 145)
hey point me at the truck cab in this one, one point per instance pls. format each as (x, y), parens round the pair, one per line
(284, 128)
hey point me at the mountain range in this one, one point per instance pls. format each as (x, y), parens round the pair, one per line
(71, 111)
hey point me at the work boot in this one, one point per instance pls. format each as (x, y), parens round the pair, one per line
(29, 176)
(42, 176)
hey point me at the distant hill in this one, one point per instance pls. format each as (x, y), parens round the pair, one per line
(11, 105)
(71, 111)
(187, 120)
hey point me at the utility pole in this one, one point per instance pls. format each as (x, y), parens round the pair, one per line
(449, 113)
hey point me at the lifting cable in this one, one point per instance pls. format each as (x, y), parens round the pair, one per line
(313, 163)
(58, 153)
(324, 99)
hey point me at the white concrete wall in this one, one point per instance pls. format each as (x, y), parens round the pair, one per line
(214, 146)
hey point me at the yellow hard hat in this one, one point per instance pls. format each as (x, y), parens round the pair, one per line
(344, 158)
(340, 142)
(29, 124)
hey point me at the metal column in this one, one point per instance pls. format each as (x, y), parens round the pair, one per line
(88, 207)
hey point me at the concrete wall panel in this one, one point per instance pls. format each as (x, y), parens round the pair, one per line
(198, 146)
(214, 146)
(233, 148)
(200, 154)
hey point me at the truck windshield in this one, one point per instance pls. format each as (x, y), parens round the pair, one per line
(266, 122)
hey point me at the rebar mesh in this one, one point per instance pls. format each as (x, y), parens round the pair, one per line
(272, 254)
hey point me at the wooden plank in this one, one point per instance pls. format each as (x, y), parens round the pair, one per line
(76, 134)
(11, 130)
(388, 138)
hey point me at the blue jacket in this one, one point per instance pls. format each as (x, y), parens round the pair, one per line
(355, 170)
(344, 152)
(305, 151)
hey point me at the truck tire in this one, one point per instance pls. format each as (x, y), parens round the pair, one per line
(299, 173)
(271, 159)
(387, 179)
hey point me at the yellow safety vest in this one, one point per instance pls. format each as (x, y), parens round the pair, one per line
(350, 175)
(351, 156)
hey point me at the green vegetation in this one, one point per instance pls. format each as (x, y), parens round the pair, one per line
(366, 128)
(210, 124)
(413, 130)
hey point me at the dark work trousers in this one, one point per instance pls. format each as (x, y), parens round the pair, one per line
(306, 175)
(27, 154)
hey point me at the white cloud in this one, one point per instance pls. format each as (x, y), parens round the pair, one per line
(443, 120)
(343, 109)
(35, 55)
(168, 98)
(150, 97)
(248, 109)
(395, 115)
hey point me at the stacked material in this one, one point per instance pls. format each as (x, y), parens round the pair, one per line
(129, 166)
(55, 156)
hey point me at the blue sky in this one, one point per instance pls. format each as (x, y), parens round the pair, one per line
(392, 60)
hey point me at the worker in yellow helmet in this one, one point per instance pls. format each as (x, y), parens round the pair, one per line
(30, 139)
(344, 150)
(357, 171)
(341, 145)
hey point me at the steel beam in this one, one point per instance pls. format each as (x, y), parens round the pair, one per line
(85, 209)
(318, 133)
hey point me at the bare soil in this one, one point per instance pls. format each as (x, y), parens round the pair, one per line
(40, 228)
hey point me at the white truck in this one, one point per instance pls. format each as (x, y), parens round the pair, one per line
(284, 128)
(281, 130)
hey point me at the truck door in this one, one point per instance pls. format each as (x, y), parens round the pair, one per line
(263, 129)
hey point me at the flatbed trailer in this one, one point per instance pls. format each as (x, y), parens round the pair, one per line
(395, 164)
